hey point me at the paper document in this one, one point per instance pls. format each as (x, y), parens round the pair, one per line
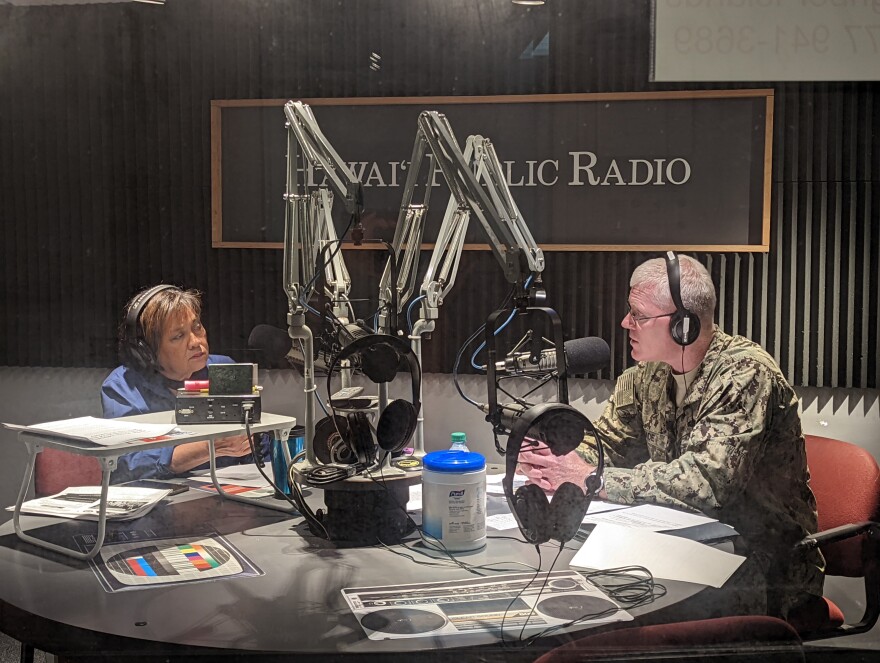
(106, 432)
(503, 521)
(494, 487)
(240, 475)
(649, 516)
(247, 476)
(665, 556)
(85, 501)
(415, 498)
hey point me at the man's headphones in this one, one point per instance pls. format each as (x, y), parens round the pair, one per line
(380, 357)
(134, 349)
(684, 326)
(562, 428)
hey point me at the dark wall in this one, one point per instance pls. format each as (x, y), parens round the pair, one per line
(105, 169)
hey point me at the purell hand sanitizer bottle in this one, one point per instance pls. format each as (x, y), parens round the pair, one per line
(459, 442)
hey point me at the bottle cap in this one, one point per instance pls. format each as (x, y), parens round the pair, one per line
(459, 437)
(454, 461)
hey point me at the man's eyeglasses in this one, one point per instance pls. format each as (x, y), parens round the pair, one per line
(638, 319)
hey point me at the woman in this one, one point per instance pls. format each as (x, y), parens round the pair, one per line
(162, 343)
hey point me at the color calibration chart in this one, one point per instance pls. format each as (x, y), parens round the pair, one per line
(140, 563)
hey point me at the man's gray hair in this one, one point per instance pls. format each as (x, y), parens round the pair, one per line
(697, 288)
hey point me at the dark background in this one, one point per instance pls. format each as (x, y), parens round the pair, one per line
(105, 169)
(721, 139)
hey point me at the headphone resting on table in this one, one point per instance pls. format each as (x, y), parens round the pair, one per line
(562, 428)
(684, 326)
(380, 356)
(134, 349)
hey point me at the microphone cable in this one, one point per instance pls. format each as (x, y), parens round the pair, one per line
(409, 309)
(296, 499)
(631, 586)
(464, 346)
(628, 587)
(247, 408)
(520, 593)
(434, 544)
(498, 331)
(324, 475)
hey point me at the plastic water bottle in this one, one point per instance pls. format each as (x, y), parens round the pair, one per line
(459, 442)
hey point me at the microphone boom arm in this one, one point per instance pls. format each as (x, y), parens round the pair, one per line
(308, 219)
(309, 235)
(477, 185)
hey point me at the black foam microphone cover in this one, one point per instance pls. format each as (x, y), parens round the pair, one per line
(585, 355)
(272, 341)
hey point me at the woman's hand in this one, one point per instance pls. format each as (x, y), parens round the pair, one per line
(193, 454)
(232, 445)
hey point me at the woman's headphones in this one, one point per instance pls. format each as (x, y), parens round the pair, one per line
(684, 326)
(134, 349)
(562, 429)
(381, 355)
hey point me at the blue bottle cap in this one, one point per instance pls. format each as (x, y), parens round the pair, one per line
(454, 461)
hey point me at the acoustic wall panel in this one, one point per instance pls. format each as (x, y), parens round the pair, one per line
(105, 170)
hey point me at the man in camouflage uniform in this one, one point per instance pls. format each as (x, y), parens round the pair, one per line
(712, 426)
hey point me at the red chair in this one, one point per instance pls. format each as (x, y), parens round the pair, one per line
(55, 470)
(747, 638)
(846, 482)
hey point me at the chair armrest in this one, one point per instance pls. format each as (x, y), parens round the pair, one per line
(837, 534)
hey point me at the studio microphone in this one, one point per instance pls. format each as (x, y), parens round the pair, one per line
(582, 355)
(275, 343)
(279, 350)
(509, 412)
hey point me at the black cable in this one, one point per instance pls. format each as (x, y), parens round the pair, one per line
(540, 591)
(258, 458)
(455, 365)
(542, 380)
(464, 346)
(520, 593)
(631, 586)
(312, 518)
(631, 591)
(683, 374)
(296, 499)
(435, 544)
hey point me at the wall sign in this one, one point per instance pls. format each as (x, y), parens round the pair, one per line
(765, 40)
(637, 171)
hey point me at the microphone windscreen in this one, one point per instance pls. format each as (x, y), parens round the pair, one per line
(274, 342)
(585, 355)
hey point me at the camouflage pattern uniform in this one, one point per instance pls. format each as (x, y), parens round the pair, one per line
(733, 450)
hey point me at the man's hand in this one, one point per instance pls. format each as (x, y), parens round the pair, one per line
(548, 472)
(233, 445)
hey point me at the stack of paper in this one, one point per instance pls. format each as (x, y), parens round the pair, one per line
(106, 432)
(84, 502)
(669, 557)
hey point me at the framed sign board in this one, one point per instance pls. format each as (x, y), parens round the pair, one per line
(628, 172)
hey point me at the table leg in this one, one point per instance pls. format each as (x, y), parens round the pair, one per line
(280, 434)
(107, 465)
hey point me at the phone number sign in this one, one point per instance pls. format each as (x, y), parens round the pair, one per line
(766, 40)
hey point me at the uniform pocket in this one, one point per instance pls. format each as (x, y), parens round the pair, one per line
(659, 448)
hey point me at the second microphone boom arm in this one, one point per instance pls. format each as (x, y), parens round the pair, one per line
(477, 185)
